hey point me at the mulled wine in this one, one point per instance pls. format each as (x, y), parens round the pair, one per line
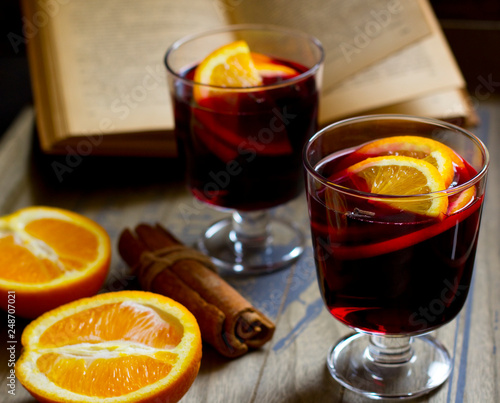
(392, 271)
(243, 146)
(394, 204)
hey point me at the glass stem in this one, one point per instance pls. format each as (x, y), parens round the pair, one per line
(250, 229)
(389, 350)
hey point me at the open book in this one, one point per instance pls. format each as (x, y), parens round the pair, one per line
(99, 81)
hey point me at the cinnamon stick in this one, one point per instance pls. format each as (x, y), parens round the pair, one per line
(227, 321)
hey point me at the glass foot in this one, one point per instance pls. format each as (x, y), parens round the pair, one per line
(389, 367)
(252, 243)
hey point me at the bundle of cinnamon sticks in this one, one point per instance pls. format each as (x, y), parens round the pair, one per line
(162, 264)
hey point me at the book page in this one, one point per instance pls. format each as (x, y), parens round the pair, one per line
(452, 105)
(110, 59)
(427, 66)
(354, 33)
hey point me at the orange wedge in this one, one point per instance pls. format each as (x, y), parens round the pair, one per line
(49, 257)
(435, 152)
(127, 346)
(229, 66)
(402, 176)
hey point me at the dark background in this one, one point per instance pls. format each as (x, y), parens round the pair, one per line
(472, 28)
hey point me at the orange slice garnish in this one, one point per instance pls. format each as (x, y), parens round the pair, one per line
(50, 256)
(460, 201)
(402, 176)
(268, 68)
(228, 66)
(127, 346)
(435, 152)
(233, 66)
(275, 70)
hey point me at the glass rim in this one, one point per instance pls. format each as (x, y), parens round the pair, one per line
(436, 122)
(247, 27)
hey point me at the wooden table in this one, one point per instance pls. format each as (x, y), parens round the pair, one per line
(291, 368)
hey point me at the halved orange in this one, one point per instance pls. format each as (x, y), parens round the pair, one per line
(402, 176)
(50, 256)
(435, 152)
(127, 346)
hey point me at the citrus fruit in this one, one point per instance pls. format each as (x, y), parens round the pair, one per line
(235, 66)
(228, 66)
(413, 238)
(459, 201)
(217, 125)
(402, 176)
(50, 256)
(435, 152)
(126, 346)
(268, 68)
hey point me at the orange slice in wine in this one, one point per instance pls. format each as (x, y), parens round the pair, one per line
(402, 176)
(435, 152)
(233, 66)
(268, 68)
(460, 201)
(228, 66)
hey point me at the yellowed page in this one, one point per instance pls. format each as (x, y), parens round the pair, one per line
(110, 59)
(354, 33)
(427, 66)
(453, 104)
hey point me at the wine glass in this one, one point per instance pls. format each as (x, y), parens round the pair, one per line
(243, 146)
(392, 275)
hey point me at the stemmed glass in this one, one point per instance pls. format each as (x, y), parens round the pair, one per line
(391, 275)
(242, 146)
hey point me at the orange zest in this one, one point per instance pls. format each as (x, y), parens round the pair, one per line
(402, 176)
(50, 256)
(127, 346)
(435, 152)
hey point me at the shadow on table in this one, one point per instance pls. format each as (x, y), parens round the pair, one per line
(101, 172)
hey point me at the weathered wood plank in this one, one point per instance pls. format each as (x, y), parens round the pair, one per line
(292, 367)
